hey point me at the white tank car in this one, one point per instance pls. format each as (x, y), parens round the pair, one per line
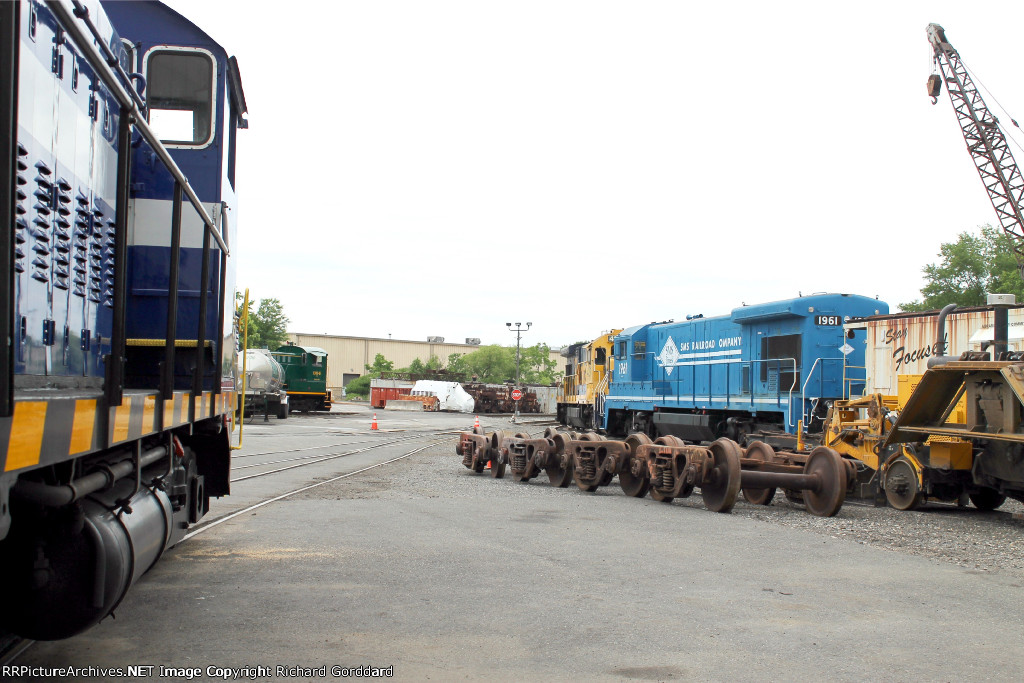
(264, 384)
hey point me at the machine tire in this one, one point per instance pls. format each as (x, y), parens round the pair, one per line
(987, 499)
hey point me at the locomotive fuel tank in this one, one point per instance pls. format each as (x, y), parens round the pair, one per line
(90, 541)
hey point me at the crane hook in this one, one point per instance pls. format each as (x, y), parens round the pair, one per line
(934, 87)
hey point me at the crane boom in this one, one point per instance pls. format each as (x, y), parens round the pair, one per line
(985, 140)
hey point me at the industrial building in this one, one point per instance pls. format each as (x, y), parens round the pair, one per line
(349, 356)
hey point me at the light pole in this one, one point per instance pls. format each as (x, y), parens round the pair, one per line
(519, 330)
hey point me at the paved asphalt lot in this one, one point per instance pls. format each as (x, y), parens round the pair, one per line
(445, 574)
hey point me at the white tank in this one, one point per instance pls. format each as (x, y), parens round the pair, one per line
(264, 374)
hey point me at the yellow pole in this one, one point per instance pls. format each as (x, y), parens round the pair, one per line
(245, 366)
(800, 435)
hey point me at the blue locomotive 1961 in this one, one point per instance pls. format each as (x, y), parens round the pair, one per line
(116, 297)
(761, 371)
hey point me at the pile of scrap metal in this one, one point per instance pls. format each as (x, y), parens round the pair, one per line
(497, 398)
(668, 468)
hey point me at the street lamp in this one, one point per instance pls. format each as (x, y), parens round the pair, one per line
(519, 330)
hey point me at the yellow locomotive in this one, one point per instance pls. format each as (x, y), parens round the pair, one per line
(588, 369)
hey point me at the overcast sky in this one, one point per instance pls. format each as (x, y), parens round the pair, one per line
(442, 168)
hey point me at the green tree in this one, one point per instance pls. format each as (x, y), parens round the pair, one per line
(497, 364)
(492, 364)
(971, 268)
(536, 366)
(380, 364)
(268, 324)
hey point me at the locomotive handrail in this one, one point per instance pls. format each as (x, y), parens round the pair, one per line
(8, 131)
(848, 379)
(82, 12)
(736, 361)
(69, 18)
(803, 389)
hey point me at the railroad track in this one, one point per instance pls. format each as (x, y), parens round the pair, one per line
(203, 527)
(305, 461)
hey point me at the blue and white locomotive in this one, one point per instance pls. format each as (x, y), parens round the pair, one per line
(761, 371)
(117, 292)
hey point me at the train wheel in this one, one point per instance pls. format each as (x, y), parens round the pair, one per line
(497, 463)
(758, 450)
(557, 474)
(828, 465)
(987, 499)
(633, 485)
(902, 489)
(721, 486)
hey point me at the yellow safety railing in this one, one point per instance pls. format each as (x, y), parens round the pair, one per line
(245, 345)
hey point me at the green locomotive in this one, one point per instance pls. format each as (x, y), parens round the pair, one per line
(305, 376)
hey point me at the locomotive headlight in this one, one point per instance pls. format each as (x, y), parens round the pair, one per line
(846, 318)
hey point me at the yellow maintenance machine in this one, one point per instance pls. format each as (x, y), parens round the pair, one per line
(588, 370)
(937, 468)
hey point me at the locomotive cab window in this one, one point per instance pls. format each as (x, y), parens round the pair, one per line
(179, 89)
(639, 350)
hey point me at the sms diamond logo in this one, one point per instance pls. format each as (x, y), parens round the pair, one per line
(668, 357)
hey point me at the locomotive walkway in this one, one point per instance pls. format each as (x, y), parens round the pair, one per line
(422, 565)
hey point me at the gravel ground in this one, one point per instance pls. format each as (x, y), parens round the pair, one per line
(981, 541)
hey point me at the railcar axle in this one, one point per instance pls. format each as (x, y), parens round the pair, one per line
(823, 478)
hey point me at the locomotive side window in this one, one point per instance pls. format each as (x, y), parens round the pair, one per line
(639, 350)
(179, 88)
(621, 352)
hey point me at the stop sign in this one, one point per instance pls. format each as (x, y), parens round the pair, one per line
(516, 394)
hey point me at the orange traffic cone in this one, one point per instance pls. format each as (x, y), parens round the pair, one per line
(373, 425)
(476, 424)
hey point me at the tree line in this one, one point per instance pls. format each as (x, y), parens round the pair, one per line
(492, 364)
(975, 265)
